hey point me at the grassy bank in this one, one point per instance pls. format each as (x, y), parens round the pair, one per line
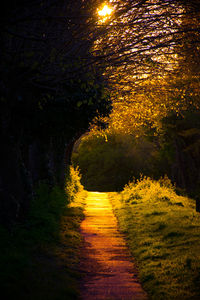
(39, 258)
(163, 233)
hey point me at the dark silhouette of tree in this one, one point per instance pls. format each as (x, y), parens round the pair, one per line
(49, 93)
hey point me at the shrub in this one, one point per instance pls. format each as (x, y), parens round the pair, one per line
(73, 183)
(150, 190)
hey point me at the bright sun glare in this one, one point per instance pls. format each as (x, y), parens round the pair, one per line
(105, 11)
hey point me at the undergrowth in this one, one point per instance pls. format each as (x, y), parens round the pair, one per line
(163, 233)
(73, 183)
(39, 258)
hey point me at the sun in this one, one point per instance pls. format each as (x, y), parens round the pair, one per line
(105, 12)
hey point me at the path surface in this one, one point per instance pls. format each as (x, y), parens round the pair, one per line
(106, 264)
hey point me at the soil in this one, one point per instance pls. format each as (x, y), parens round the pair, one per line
(108, 269)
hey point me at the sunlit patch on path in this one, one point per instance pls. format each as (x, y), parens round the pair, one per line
(106, 264)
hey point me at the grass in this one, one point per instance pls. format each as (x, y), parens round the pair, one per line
(39, 259)
(163, 233)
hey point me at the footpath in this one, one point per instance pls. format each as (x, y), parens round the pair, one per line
(108, 270)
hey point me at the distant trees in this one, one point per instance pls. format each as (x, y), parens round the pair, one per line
(108, 162)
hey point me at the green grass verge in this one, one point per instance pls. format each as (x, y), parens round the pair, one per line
(39, 259)
(162, 231)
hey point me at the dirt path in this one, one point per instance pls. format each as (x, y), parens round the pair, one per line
(109, 272)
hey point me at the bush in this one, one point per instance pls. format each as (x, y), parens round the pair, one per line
(150, 190)
(73, 183)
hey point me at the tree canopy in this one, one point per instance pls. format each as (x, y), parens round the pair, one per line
(151, 53)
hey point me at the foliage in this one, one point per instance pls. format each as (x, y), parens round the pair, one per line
(109, 160)
(39, 258)
(152, 80)
(73, 183)
(152, 62)
(147, 189)
(162, 232)
(158, 98)
(171, 148)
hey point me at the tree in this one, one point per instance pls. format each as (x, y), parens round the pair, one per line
(146, 57)
(152, 47)
(49, 94)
